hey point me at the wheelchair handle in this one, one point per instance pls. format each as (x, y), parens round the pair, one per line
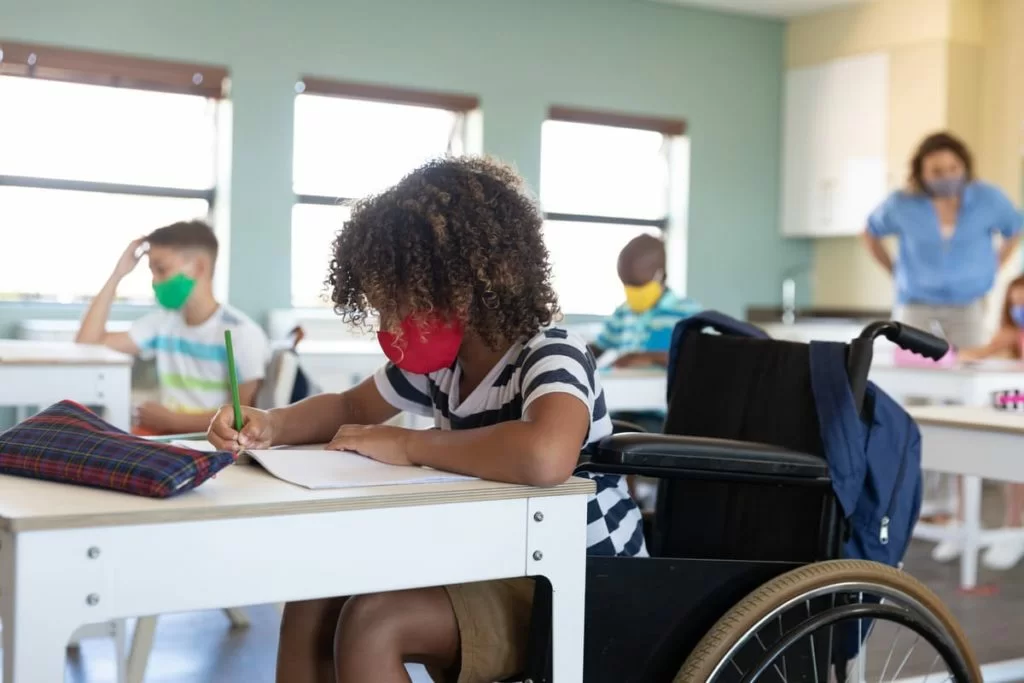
(907, 338)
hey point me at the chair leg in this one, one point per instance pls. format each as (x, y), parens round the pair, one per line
(142, 645)
(238, 617)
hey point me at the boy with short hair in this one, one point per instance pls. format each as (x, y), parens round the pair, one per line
(452, 262)
(639, 332)
(186, 337)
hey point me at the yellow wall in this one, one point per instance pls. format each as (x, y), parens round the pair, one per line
(954, 64)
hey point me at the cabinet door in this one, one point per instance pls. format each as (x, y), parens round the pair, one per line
(856, 120)
(802, 160)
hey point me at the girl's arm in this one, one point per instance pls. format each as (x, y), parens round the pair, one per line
(1004, 340)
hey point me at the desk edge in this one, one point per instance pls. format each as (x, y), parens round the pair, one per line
(575, 486)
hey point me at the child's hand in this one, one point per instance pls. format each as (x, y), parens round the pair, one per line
(378, 442)
(129, 259)
(632, 360)
(155, 417)
(257, 429)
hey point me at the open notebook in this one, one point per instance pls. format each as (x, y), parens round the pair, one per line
(316, 468)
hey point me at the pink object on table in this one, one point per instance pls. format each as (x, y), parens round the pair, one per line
(911, 359)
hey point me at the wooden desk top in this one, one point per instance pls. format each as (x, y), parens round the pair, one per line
(238, 491)
(969, 417)
(26, 352)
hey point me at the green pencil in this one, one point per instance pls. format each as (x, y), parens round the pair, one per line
(236, 402)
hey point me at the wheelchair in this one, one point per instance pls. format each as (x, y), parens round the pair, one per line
(744, 581)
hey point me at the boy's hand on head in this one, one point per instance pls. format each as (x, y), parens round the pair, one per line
(257, 429)
(130, 258)
(382, 443)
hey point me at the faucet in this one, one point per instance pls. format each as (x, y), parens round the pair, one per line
(789, 293)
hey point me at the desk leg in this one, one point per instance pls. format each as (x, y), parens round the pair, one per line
(34, 637)
(142, 644)
(970, 532)
(556, 549)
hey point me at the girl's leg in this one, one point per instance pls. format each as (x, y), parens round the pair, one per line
(305, 653)
(377, 634)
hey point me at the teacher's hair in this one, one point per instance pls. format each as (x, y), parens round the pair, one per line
(938, 142)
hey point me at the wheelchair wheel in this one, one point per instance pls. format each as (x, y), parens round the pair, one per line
(839, 621)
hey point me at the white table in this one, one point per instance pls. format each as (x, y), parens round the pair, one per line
(969, 384)
(978, 443)
(72, 555)
(634, 390)
(38, 373)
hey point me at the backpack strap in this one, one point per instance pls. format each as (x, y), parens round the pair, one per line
(843, 434)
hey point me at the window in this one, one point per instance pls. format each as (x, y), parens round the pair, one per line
(352, 140)
(97, 150)
(605, 179)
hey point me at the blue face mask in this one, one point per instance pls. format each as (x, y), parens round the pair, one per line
(1017, 314)
(946, 187)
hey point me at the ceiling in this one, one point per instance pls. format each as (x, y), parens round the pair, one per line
(768, 8)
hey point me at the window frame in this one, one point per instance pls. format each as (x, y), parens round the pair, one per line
(673, 226)
(25, 60)
(468, 125)
(669, 128)
(456, 103)
(44, 62)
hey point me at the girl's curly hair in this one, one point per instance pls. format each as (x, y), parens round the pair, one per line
(457, 236)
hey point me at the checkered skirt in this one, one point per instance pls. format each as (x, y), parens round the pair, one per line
(69, 443)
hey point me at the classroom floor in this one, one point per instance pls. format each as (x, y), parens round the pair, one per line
(201, 648)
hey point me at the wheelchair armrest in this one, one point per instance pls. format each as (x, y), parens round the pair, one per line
(667, 454)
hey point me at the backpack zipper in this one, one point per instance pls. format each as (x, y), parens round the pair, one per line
(883, 532)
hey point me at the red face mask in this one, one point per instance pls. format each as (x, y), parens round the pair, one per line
(423, 348)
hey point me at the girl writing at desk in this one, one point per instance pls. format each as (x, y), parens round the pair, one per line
(452, 262)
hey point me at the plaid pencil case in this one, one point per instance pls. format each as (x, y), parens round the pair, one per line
(68, 443)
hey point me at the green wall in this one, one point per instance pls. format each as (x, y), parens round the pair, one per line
(722, 73)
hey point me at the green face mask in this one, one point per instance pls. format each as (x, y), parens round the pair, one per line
(173, 292)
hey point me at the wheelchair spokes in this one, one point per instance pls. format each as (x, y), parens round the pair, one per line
(876, 625)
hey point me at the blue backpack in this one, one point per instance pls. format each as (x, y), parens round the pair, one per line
(874, 457)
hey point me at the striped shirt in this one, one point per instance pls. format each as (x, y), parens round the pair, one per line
(192, 361)
(554, 361)
(628, 331)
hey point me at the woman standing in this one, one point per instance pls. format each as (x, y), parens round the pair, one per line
(947, 224)
(945, 221)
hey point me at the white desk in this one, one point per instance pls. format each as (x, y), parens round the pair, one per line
(37, 373)
(635, 390)
(970, 384)
(340, 365)
(72, 555)
(978, 443)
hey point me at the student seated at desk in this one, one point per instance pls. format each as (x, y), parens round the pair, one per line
(1008, 341)
(640, 330)
(186, 337)
(453, 262)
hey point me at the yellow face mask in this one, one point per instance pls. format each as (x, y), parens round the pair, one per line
(642, 299)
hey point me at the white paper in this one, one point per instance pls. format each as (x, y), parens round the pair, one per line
(204, 446)
(321, 469)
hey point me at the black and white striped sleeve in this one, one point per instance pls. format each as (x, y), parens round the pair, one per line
(405, 391)
(558, 363)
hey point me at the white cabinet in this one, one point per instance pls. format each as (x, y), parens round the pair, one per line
(835, 145)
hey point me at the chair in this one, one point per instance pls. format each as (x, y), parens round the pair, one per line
(745, 538)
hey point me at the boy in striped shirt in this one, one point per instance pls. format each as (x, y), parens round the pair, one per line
(185, 337)
(452, 263)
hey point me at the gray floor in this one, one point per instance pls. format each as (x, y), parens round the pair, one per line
(201, 648)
